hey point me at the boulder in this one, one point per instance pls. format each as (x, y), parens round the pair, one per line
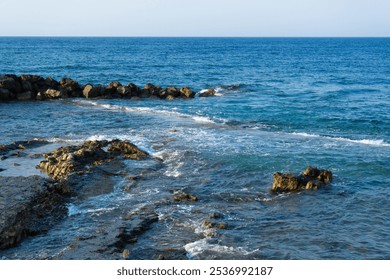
(90, 91)
(186, 92)
(32, 82)
(11, 83)
(52, 93)
(51, 83)
(126, 149)
(5, 94)
(25, 96)
(69, 87)
(207, 93)
(112, 87)
(312, 178)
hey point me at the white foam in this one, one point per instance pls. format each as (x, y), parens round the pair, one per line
(150, 111)
(198, 247)
(74, 210)
(370, 142)
(173, 160)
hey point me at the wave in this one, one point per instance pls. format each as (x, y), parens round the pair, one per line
(371, 142)
(198, 247)
(149, 111)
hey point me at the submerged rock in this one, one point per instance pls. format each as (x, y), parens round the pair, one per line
(207, 93)
(28, 206)
(311, 179)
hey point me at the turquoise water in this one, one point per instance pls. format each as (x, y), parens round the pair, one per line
(282, 104)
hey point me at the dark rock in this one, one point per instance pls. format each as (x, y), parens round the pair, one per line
(90, 91)
(51, 83)
(25, 96)
(69, 87)
(5, 94)
(112, 87)
(312, 178)
(11, 83)
(207, 93)
(28, 206)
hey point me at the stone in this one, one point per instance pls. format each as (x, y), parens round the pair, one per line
(310, 179)
(52, 93)
(207, 93)
(186, 92)
(181, 196)
(127, 150)
(69, 87)
(25, 96)
(11, 83)
(5, 94)
(91, 91)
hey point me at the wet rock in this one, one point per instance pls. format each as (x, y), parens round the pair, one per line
(216, 215)
(312, 178)
(28, 206)
(52, 93)
(25, 96)
(207, 93)
(70, 88)
(51, 83)
(112, 87)
(5, 94)
(186, 92)
(21, 145)
(90, 91)
(126, 150)
(11, 83)
(181, 196)
(79, 159)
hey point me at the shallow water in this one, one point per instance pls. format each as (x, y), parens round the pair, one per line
(282, 104)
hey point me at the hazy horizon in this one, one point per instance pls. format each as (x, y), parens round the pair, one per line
(213, 18)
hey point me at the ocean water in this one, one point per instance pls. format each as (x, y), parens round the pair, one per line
(282, 104)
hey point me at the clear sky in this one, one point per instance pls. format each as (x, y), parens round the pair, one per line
(195, 18)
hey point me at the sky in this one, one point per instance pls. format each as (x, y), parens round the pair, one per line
(243, 18)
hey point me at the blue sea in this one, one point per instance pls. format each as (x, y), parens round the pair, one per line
(282, 104)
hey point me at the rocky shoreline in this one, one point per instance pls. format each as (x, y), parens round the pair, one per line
(31, 206)
(35, 87)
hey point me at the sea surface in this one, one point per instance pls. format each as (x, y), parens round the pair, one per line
(282, 104)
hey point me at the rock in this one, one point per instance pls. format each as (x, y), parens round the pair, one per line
(5, 94)
(91, 91)
(207, 93)
(28, 206)
(127, 150)
(69, 87)
(52, 93)
(181, 196)
(113, 87)
(11, 83)
(25, 96)
(186, 92)
(312, 178)
(64, 161)
(52, 84)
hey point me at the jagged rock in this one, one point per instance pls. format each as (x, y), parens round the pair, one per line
(126, 149)
(70, 159)
(312, 178)
(51, 83)
(207, 93)
(28, 206)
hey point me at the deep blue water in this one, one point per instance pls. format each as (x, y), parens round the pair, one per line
(282, 104)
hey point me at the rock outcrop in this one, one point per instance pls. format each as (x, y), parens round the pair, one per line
(311, 179)
(23, 203)
(78, 159)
